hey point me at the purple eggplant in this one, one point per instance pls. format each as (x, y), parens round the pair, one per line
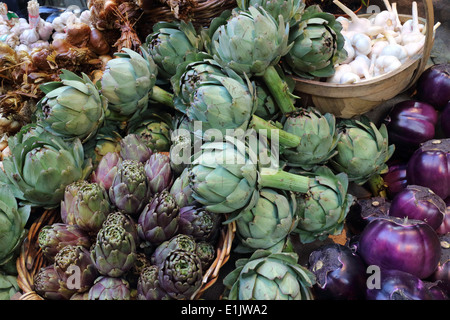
(420, 203)
(442, 272)
(403, 244)
(363, 211)
(395, 179)
(397, 285)
(429, 166)
(411, 123)
(433, 85)
(445, 121)
(340, 274)
(444, 228)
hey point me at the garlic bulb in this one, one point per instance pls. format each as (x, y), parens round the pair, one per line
(45, 29)
(360, 66)
(339, 71)
(377, 46)
(12, 40)
(349, 77)
(85, 17)
(362, 43)
(385, 64)
(29, 36)
(349, 49)
(58, 25)
(394, 49)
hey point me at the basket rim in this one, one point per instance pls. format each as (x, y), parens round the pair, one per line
(27, 267)
(379, 79)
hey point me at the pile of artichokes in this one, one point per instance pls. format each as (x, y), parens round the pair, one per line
(135, 223)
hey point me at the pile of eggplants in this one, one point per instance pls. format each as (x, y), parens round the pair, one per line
(399, 246)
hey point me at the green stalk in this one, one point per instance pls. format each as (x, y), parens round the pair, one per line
(377, 186)
(162, 96)
(279, 179)
(279, 90)
(286, 139)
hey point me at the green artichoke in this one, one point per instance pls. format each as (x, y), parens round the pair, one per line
(129, 191)
(363, 150)
(106, 140)
(318, 138)
(168, 45)
(72, 108)
(158, 221)
(159, 172)
(52, 238)
(106, 169)
(8, 286)
(128, 81)
(291, 10)
(133, 147)
(12, 224)
(75, 268)
(318, 45)
(226, 177)
(180, 274)
(252, 42)
(108, 288)
(269, 222)
(89, 207)
(154, 127)
(219, 98)
(114, 251)
(42, 165)
(323, 209)
(269, 276)
(148, 286)
(49, 286)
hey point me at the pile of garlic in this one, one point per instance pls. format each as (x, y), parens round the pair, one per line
(378, 44)
(26, 35)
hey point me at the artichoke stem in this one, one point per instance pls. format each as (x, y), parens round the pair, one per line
(286, 139)
(377, 186)
(279, 179)
(279, 90)
(162, 96)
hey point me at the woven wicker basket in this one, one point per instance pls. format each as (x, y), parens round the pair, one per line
(31, 258)
(350, 100)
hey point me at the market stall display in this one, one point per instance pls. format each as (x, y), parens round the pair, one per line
(140, 156)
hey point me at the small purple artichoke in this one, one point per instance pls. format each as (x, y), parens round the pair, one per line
(108, 288)
(158, 221)
(70, 192)
(52, 238)
(124, 220)
(133, 147)
(148, 286)
(181, 190)
(75, 268)
(106, 169)
(49, 286)
(114, 252)
(130, 191)
(89, 207)
(179, 242)
(159, 172)
(206, 253)
(198, 222)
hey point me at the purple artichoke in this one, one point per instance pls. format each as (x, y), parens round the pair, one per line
(130, 191)
(75, 268)
(206, 253)
(148, 286)
(108, 288)
(52, 238)
(196, 221)
(159, 172)
(114, 252)
(70, 192)
(180, 274)
(124, 220)
(89, 207)
(133, 147)
(178, 242)
(181, 190)
(158, 221)
(49, 286)
(106, 169)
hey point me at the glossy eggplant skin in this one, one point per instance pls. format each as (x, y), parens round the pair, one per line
(420, 203)
(399, 285)
(403, 244)
(395, 179)
(445, 121)
(433, 85)
(340, 273)
(411, 123)
(429, 166)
